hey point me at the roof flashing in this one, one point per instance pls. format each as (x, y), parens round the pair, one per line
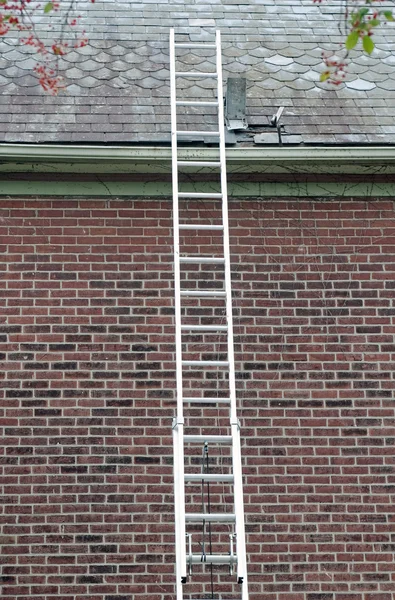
(235, 103)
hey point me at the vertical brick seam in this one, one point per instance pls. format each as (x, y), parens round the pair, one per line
(87, 384)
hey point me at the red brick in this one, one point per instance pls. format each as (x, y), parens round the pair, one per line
(88, 443)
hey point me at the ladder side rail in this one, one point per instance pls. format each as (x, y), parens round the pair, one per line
(176, 235)
(179, 489)
(239, 511)
(177, 485)
(225, 223)
(236, 447)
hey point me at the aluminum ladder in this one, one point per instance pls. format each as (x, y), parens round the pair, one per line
(235, 557)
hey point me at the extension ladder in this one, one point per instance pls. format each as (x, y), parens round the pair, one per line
(235, 554)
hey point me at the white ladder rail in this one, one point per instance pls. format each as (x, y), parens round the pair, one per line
(178, 423)
(236, 446)
(179, 438)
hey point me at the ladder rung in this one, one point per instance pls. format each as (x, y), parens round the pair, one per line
(214, 439)
(194, 45)
(213, 559)
(204, 327)
(210, 517)
(203, 293)
(205, 363)
(201, 259)
(198, 163)
(207, 227)
(199, 195)
(195, 74)
(196, 103)
(202, 133)
(208, 477)
(207, 400)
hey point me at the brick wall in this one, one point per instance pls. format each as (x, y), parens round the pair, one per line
(87, 386)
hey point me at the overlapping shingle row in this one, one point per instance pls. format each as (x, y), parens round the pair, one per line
(118, 85)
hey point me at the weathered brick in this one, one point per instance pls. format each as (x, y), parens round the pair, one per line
(89, 397)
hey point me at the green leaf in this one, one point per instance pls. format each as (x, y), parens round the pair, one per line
(352, 40)
(48, 7)
(374, 22)
(388, 15)
(368, 44)
(325, 76)
(363, 12)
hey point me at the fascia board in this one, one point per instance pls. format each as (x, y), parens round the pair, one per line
(116, 159)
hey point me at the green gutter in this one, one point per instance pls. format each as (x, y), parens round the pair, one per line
(121, 171)
(112, 157)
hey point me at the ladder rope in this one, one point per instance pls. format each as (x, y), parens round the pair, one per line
(206, 469)
(203, 559)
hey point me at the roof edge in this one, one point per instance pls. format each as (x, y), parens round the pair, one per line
(245, 158)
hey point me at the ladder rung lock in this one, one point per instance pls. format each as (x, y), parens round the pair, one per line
(202, 133)
(207, 227)
(199, 195)
(198, 163)
(201, 259)
(207, 400)
(214, 439)
(210, 517)
(204, 327)
(194, 74)
(196, 103)
(208, 477)
(195, 45)
(205, 363)
(203, 293)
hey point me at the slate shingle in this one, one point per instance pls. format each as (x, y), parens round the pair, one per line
(119, 84)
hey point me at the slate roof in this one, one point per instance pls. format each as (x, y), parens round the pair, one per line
(118, 85)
